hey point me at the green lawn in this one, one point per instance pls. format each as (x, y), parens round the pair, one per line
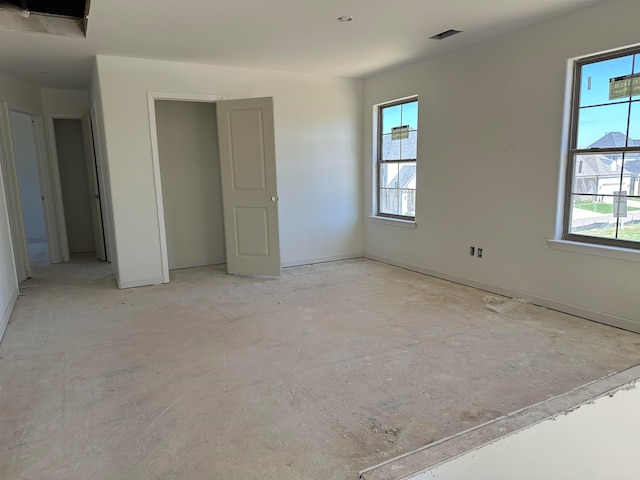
(632, 232)
(600, 207)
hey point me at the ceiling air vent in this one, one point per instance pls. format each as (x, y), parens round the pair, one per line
(447, 34)
(62, 17)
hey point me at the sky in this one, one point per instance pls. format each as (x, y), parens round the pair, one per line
(608, 115)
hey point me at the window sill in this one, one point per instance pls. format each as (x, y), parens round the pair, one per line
(396, 222)
(599, 250)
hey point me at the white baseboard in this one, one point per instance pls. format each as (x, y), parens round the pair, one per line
(139, 283)
(4, 321)
(309, 261)
(600, 317)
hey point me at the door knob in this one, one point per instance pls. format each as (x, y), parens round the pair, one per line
(273, 199)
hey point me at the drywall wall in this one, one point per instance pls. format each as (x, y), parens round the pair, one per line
(74, 182)
(597, 440)
(102, 168)
(26, 159)
(191, 187)
(16, 93)
(318, 152)
(69, 102)
(8, 279)
(490, 154)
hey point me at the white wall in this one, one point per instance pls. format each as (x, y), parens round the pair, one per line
(596, 441)
(95, 97)
(191, 185)
(490, 149)
(70, 102)
(26, 158)
(318, 151)
(15, 93)
(8, 279)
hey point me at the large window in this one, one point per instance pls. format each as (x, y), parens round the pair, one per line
(397, 154)
(603, 179)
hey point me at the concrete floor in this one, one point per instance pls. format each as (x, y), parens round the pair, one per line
(331, 369)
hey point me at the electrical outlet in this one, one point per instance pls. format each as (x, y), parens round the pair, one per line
(479, 252)
(472, 251)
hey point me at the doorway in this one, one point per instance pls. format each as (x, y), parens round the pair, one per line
(30, 189)
(78, 187)
(191, 185)
(246, 153)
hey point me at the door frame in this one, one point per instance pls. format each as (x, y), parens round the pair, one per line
(57, 184)
(14, 203)
(155, 157)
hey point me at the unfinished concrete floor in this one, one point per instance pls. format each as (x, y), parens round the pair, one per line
(331, 369)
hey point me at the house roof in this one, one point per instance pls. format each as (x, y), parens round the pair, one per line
(614, 139)
(404, 177)
(600, 166)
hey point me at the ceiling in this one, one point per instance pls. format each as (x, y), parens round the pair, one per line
(287, 35)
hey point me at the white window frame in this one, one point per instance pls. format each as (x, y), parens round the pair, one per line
(378, 134)
(574, 152)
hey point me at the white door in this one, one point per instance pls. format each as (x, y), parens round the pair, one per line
(94, 191)
(249, 195)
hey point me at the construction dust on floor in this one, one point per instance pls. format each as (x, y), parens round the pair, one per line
(324, 372)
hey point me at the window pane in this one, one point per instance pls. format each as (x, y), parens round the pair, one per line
(408, 147)
(389, 175)
(636, 70)
(632, 166)
(599, 175)
(594, 88)
(606, 216)
(407, 203)
(603, 127)
(407, 175)
(390, 148)
(389, 201)
(634, 125)
(391, 117)
(410, 115)
(592, 215)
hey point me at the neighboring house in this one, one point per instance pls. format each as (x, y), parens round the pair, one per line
(401, 185)
(603, 175)
(404, 185)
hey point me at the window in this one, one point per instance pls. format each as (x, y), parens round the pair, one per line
(397, 154)
(602, 202)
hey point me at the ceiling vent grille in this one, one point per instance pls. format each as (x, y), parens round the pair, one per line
(447, 34)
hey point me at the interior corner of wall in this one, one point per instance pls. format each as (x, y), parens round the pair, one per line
(4, 320)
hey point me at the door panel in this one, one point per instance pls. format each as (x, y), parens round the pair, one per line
(252, 227)
(249, 194)
(247, 150)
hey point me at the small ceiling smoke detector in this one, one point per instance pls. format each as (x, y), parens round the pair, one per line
(447, 34)
(345, 18)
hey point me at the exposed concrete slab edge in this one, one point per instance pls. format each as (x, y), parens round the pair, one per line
(600, 317)
(4, 321)
(436, 453)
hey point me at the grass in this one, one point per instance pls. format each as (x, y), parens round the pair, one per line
(631, 232)
(599, 207)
